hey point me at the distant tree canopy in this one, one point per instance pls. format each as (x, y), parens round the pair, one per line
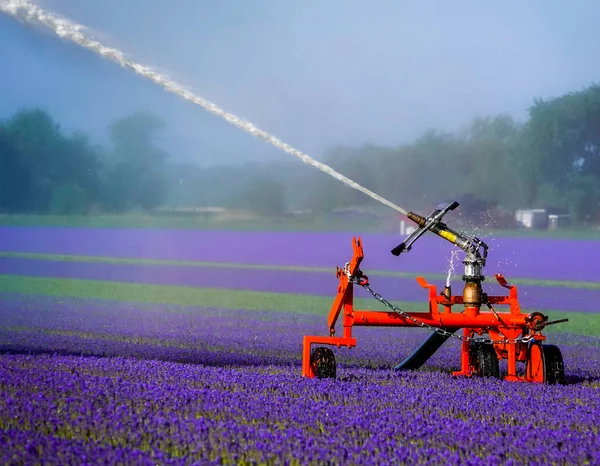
(552, 160)
(261, 194)
(43, 170)
(135, 171)
(562, 138)
(479, 163)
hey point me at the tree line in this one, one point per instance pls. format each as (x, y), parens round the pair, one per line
(551, 160)
(43, 170)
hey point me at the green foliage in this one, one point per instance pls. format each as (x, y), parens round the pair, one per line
(479, 162)
(69, 200)
(583, 195)
(14, 176)
(43, 170)
(135, 177)
(563, 138)
(80, 165)
(262, 195)
(552, 160)
(565, 134)
(36, 160)
(578, 194)
(134, 139)
(490, 163)
(37, 140)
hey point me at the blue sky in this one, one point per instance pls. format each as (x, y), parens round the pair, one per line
(315, 73)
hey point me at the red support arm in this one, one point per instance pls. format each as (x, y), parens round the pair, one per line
(344, 295)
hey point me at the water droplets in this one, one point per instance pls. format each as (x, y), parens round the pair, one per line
(453, 257)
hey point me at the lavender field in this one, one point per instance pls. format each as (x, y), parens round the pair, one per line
(181, 347)
(541, 258)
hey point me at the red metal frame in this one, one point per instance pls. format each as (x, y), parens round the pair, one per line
(507, 325)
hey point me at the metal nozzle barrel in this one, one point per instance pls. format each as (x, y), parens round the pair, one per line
(432, 223)
(440, 229)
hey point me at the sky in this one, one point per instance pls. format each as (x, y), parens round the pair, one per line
(314, 73)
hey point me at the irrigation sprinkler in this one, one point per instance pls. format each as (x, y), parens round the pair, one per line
(488, 335)
(514, 336)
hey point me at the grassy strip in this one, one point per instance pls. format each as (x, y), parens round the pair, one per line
(140, 261)
(286, 268)
(190, 222)
(163, 294)
(579, 323)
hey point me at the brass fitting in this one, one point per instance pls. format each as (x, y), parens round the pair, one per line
(421, 221)
(472, 294)
(447, 293)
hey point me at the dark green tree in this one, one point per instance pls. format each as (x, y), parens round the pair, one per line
(37, 139)
(69, 199)
(562, 138)
(14, 176)
(135, 176)
(43, 160)
(262, 195)
(134, 139)
(491, 163)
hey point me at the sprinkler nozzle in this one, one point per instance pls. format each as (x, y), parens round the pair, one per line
(447, 293)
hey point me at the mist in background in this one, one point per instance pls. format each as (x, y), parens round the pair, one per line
(416, 102)
(316, 74)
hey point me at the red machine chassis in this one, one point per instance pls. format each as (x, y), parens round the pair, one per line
(499, 325)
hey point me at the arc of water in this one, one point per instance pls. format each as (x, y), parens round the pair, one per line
(30, 13)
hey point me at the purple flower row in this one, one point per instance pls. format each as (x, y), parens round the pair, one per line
(218, 336)
(314, 283)
(539, 258)
(240, 398)
(191, 334)
(168, 412)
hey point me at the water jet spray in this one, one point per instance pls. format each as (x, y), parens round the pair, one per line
(32, 14)
(513, 336)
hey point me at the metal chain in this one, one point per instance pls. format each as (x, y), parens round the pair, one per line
(419, 323)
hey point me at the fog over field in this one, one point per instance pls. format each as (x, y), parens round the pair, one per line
(316, 75)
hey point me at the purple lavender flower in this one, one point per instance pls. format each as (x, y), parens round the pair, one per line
(540, 258)
(313, 283)
(238, 396)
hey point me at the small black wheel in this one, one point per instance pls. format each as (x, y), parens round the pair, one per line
(323, 361)
(484, 360)
(554, 365)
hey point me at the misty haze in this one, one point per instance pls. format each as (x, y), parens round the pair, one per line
(370, 91)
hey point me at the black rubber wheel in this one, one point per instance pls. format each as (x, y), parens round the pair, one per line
(323, 361)
(554, 365)
(484, 360)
